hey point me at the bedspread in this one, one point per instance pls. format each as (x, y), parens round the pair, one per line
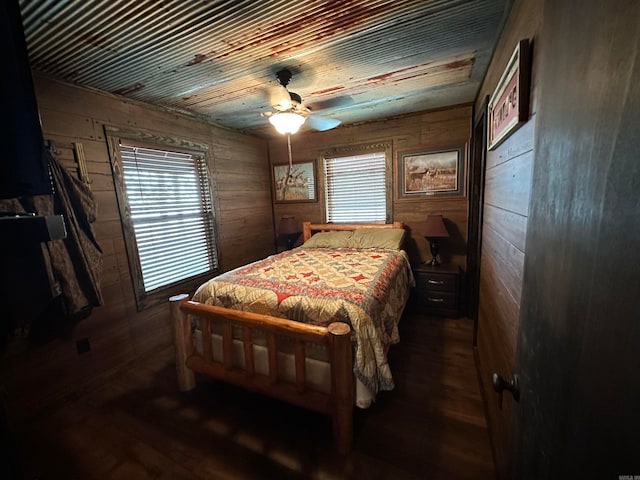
(367, 289)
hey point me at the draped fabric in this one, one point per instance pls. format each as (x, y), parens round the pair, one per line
(77, 261)
(66, 271)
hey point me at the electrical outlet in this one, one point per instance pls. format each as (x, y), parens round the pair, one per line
(83, 346)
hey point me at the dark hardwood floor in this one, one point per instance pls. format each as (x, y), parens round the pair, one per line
(136, 425)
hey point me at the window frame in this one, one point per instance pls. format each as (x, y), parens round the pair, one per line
(144, 139)
(354, 150)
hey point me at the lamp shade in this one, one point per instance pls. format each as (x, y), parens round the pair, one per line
(434, 227)
(288, 226)
(286, 122)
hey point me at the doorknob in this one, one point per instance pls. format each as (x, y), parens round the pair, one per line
(500, 385)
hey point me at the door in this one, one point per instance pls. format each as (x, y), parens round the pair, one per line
(579, 337)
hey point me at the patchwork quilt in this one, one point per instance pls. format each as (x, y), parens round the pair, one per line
(366, 288)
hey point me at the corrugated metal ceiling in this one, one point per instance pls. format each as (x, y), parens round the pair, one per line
(352, 60)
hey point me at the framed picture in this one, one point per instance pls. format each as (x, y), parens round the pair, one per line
(430, 173)
(509, 105)
(294, 182)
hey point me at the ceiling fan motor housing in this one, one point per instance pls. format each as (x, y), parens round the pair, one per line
(284, 77)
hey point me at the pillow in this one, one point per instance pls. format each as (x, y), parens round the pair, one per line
(330, 240)
(391, 238)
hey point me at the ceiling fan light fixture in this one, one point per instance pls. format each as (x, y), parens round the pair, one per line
(287, 122)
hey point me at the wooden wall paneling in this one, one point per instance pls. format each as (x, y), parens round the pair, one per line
(507, 185)
(508, 173)
(442, 127)
(242, 224)
(38, 375)
(522, 141)
(150, 328)
(64, 124)
(495, 312)
(241, 184)
(237, 246)
(512, 226)
(225, 161)
(501, 272)
(438, 129)
(244, 214)
(300, 211)
(503, 268)
(116, 331)
(107, 109)
(110, 270)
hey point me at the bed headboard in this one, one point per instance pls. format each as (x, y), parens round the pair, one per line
(308, 228)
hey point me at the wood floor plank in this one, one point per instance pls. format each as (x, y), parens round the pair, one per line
(137, 425)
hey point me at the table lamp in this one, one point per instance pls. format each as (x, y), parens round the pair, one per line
(433, 229)
(289, 229)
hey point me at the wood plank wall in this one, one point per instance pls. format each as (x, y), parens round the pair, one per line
(438, 128)
(116, 331)
(507, 187)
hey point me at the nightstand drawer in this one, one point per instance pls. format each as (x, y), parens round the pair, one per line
(437, 300)
(437, 281)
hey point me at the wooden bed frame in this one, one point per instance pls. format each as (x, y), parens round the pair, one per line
(338, 404)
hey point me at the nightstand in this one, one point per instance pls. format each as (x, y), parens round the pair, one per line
(437, 290)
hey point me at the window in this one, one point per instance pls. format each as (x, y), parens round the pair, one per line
(357, 187)
(167, 213)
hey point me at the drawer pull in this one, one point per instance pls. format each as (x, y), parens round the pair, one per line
(435, 282)
(436, 300)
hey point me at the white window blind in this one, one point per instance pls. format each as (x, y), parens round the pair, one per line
(172, 214)
(356, 188)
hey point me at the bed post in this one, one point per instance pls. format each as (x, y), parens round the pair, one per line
(306, 231)
(183, 342)
(343, 385)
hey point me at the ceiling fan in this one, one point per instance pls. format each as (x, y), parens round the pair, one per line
(290, 113)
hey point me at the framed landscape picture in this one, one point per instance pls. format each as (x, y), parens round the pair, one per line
(430, 173)
(294, 182)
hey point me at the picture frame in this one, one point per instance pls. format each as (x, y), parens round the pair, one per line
(295, 182)
(431, 173)
(508, 107)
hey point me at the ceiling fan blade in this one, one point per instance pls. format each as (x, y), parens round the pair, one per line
(320, 123)
(336, 102)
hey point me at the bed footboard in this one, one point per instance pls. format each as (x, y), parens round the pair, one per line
(336, 338)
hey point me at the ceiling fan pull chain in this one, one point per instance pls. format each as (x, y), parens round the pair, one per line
(289, 145)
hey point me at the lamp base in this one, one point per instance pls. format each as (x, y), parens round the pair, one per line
(434, 247)
(291, 239)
